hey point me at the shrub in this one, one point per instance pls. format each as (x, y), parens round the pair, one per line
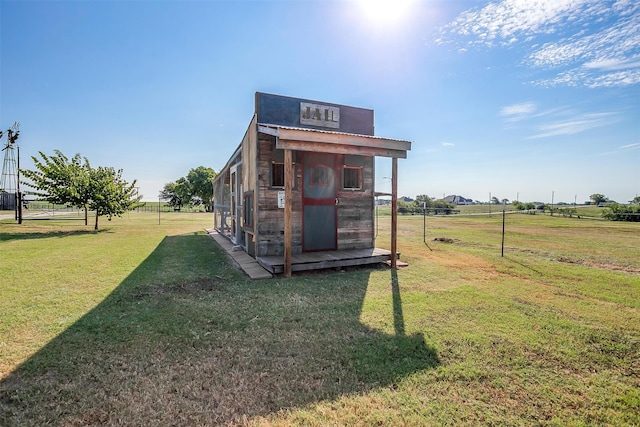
(618, 212)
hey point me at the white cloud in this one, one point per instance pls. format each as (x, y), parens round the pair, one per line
(575, 125)
(448, 144)
(591, 43)
(623, 149)
(613, 64)
(516, 112)
(630, 146)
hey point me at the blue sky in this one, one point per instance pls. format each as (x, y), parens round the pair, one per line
(520, 99)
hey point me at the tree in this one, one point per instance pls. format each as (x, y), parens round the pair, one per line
(635, 200)
(200, 182)
(422, 198)
(405, 208)
(618, 212)
(598, 198)
(111, 195)
(194, 189)
(170, 194)
(74, 182)
(422, 201)
(495, 201)
(59, 180)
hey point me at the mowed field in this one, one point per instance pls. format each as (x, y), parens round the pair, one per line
(143, 323)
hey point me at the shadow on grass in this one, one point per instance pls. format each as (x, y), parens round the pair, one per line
(522, 264)
(45, 235)
(186, 339)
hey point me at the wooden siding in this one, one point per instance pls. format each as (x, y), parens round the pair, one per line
(355, 227)
(324, 147)
(270, 220)
(249, 148)
(356, 210)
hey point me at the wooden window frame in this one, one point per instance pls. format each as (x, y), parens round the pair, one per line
(271, 176)
(359, 178)
(248, 211)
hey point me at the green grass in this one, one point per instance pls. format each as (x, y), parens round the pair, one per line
(583, 211)
(147, 324)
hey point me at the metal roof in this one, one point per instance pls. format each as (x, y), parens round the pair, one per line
(328, 132)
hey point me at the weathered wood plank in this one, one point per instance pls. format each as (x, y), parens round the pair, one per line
(288, 175)
(323, 147)
(338, 138)
(394, 209)
(326, 259)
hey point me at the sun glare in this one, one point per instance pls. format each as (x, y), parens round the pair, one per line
(388, 12)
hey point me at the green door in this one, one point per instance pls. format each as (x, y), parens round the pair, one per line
(319, 202)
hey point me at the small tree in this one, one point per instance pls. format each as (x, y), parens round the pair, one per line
(74, 182)
(598, 198)
(194, 189)
(60, 180)
(200, 184)
(170, 194)
(405, 208)
(111, 195)
(618, 212)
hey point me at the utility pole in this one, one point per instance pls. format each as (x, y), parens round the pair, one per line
(504, 212)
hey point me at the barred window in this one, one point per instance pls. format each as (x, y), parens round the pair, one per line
(277, 174)
(352, 178)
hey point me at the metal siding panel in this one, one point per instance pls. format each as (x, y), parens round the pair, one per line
(285, 111)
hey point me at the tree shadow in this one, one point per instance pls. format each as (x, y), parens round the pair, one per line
(4, 237)
(210, 348)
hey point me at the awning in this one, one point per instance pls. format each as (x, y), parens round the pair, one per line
(303, 139)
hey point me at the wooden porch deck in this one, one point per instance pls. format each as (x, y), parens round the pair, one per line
(264, 267)
(246, 263)
(326, 259)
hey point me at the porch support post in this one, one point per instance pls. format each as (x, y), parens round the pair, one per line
(288, 180)
(394, 211)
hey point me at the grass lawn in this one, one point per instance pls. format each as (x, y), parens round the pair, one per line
(147, 324)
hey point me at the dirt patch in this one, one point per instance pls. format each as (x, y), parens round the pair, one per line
(603, 265)
(445, 240)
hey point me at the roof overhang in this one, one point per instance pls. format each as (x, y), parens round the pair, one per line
(302, 139)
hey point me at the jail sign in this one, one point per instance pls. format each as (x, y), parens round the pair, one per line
(319, 115)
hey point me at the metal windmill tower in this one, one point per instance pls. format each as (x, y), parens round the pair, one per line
(9, 185)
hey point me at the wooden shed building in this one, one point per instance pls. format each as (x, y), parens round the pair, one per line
(298, 192)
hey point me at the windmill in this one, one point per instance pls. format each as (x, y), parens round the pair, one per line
(9, 185)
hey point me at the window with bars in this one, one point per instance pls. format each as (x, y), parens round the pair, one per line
(277, 169)
(352, 178)
(277, 174)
